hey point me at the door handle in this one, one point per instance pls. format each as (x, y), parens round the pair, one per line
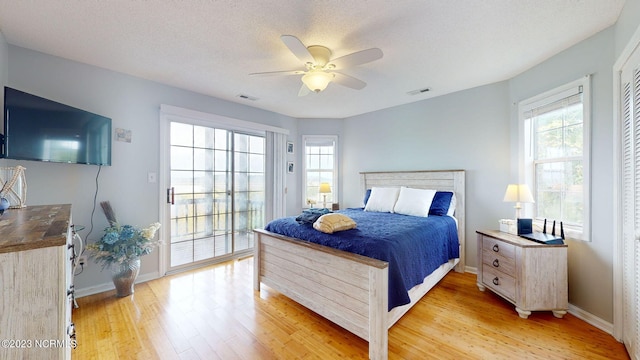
(171, 196)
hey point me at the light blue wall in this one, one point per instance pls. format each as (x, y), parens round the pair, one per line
(626, 25)
(4, 70)
(133, 104)
(590, 263)
(466, 130)
(473, 130)
(319, 127)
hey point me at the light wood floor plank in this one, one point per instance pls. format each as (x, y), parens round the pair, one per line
(213, 313)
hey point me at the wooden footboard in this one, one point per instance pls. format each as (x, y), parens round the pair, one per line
(347, 289)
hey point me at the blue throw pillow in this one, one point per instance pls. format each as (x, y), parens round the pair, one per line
(367, 194)
(440, 203)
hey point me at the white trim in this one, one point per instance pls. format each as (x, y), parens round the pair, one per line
(525, 170)
(618, 316)
(108, 286)
(215, 119)
(591, 319)
(575, 311)
(169, 113)
(336, 166)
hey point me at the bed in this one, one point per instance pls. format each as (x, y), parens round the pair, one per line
(350, 289)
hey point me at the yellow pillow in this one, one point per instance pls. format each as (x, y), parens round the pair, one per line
(330, 223)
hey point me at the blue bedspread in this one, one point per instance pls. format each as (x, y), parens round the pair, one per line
(413, 246)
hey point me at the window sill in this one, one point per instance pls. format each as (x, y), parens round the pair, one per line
(570, 232)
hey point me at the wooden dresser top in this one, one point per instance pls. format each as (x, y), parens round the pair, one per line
(34, 227)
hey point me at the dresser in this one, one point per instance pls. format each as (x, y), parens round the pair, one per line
(530, 275)
(36, 255)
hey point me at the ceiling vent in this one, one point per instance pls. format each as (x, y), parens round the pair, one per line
(247, 97)
(419, 91)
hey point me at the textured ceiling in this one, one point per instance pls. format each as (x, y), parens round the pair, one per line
(211, 47)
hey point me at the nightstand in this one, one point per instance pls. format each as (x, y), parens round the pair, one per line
(530, 275)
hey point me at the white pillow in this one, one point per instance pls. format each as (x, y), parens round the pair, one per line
(452, 206)
(382, 199)
(414, 202)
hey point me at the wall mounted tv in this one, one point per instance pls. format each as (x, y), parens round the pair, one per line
(39, 129)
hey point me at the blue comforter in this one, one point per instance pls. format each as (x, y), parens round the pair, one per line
(413, 246)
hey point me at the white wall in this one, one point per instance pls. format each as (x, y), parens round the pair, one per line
(466, 130)
(133, 104)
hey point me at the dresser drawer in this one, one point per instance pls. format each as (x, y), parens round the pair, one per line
(499, 282)
(499, 247)
(506, 265)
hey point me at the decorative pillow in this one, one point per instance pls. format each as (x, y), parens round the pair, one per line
(414, 202)
(367, 194)
(441, 203)
(382, 199)
(330, 223)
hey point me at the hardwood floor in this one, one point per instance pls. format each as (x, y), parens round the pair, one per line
(213, 313)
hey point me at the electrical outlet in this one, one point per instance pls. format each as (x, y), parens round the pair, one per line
(82, 260)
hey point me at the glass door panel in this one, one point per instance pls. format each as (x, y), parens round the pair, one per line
(217, 179)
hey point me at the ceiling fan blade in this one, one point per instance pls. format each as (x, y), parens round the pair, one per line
(297, 48)
(357, 58)
(272, 73)
(348, 81)
(304, 90)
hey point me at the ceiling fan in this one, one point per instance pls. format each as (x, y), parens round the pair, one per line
(319, 69)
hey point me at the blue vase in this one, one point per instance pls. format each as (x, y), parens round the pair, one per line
(4, 205)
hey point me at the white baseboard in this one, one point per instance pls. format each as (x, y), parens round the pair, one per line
(591, 319)
(96, 289)
(575, 311)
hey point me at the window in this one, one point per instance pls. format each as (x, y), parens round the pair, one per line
(320, 166)
(556, 155)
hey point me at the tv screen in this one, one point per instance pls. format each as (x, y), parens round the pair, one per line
(39, 129)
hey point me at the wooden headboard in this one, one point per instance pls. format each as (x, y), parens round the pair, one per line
(443, 180)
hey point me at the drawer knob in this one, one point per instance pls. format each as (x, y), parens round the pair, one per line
(496, 248)
(496, 263)
(496, 281)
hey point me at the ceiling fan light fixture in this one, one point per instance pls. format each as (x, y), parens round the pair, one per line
(317, 80)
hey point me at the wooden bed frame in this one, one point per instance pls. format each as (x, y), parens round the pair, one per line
(349, 289)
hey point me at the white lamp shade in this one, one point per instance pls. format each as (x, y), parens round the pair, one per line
(518, 193)
(325, 188)
(317, 80)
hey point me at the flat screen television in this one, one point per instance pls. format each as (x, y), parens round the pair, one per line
(44, 130)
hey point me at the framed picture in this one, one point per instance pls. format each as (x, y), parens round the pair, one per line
(290, 167)
(289, 147)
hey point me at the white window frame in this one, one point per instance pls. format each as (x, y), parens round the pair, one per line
(527, 170)
(335, 186)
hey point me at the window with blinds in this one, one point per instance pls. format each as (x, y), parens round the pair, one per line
(320, 167)
(556, 161)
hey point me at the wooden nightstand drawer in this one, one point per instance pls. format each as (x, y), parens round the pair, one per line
(499, 247)
(492, 259)
(499, 282)
(530, 275)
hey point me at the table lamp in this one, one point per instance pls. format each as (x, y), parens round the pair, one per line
(518, 193)
(324, 190)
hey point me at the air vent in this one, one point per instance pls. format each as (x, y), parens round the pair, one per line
(419, 91)
(247, 97)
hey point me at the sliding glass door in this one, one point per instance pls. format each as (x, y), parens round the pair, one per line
(217, 193)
